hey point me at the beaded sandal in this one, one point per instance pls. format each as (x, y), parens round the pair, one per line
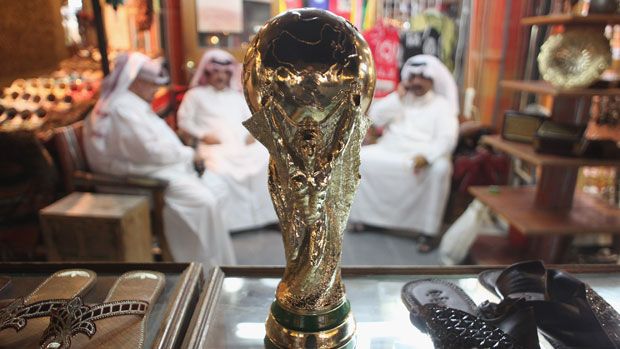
(569, 313)
(119, 322)
(23, 320)
(451, 318)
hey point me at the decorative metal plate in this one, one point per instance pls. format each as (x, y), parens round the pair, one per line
(575, 58)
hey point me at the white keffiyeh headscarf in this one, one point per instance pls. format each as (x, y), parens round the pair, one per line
(127, 67)
(432, 68)
(217, 59)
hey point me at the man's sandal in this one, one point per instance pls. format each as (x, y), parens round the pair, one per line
(23, 319)
(117, 323)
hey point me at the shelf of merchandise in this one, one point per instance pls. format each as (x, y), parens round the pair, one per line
(517, 205)
(543, 87)
(526, 152)
(551, 213)
(572, 19)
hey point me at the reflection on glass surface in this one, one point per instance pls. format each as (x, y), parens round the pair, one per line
(232, 285)
(250, 330)
(382, 319)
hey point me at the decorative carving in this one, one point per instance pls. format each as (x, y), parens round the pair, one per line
(16, 315)
(76, 317)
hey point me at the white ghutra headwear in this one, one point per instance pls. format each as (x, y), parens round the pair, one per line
(217, 59)
(128, 67)
(432, 68)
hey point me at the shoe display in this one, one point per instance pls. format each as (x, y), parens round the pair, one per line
(453, 321)
(119, 322)
(23, 320)
(569, 313)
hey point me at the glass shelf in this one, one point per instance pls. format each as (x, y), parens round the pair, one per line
(236, 302)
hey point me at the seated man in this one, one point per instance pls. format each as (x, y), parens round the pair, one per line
(123, 136)
(406, 175)
(212, 112)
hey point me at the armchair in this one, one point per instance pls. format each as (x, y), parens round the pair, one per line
(76, 175)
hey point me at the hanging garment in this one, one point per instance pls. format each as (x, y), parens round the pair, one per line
(130, 139)
(205, 110)
(384, 43)
(431, 33)
(390, 195)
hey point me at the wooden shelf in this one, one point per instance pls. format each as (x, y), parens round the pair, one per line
(526, 152)
(568, 19)
(543, 87)
(495, 250)
(516, 205)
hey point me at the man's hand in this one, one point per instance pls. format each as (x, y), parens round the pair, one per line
(210, 139)
(371, 136)
(401, 90)
(199, 164)
(249, 140)
(419, 163)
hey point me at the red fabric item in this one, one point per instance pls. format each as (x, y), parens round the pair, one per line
(341, 8)
(384, 42)
(516, 238)
(481, 168)
(290, 4)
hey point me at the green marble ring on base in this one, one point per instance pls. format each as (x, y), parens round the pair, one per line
(334, 329)
(311, 322)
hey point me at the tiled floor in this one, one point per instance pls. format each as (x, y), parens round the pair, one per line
(264, 247)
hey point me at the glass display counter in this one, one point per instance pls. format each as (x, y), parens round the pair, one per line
(236, 300)
(170, 316)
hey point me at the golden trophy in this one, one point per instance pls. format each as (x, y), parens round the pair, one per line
(309, 79)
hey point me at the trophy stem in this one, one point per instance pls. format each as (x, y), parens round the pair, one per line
(334, 329)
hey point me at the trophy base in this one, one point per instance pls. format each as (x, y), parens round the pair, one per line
(332, 330)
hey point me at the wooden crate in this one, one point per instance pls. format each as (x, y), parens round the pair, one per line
(98, 227)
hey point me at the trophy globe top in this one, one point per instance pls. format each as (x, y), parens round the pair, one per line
(306, 61)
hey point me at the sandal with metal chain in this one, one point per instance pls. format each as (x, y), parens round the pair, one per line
(119, 322)
(22, 320)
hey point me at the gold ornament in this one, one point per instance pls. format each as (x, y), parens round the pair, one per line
(575, 58)
(309, 79)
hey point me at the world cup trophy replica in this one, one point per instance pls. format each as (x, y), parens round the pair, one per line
(309, 79)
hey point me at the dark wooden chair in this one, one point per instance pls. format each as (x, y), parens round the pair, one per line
(77, 176)
(28, 180)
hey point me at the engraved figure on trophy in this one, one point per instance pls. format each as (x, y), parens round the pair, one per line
(309, 79)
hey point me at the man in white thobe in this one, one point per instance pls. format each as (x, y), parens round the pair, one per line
(212, 112)
(406, 175)
(123, 136)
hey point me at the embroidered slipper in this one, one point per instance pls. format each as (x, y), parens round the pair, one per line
(568, 312)
(451, 318)
(23, 320)
(117, 323)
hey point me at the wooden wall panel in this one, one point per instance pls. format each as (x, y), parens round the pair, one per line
(486, 62)
(31, 38)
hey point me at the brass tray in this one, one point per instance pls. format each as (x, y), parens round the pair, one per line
(575, 58)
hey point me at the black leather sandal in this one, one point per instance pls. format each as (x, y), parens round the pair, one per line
(568, 312)
(451, 318)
